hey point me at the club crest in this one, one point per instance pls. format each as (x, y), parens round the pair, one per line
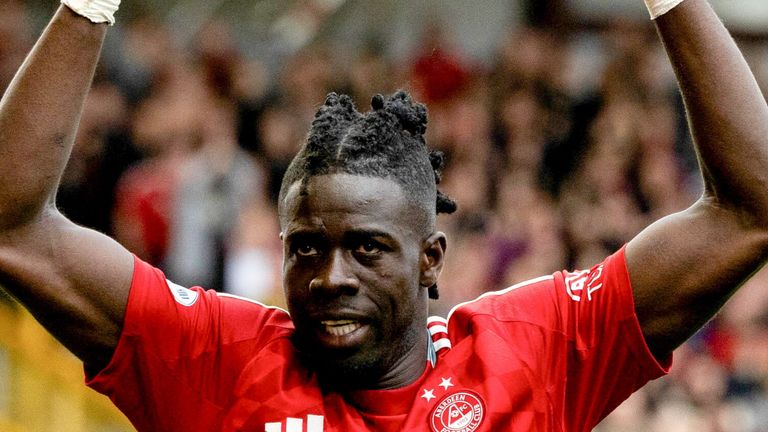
(462, 411)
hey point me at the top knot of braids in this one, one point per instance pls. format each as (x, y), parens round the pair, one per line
(331, 121)
(335, 116)
(412, 116)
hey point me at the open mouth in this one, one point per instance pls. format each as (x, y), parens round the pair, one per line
(340, 327)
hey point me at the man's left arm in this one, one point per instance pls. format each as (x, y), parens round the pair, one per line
(685, 266)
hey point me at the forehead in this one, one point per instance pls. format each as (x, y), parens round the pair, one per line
(347, 201)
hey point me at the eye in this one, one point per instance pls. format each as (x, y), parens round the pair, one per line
(368, 248)
(307, 250)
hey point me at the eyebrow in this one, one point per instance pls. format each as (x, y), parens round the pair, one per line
(368, 233)
(303, 233)
(354, 234)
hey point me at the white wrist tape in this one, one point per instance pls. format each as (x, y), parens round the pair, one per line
(658, 8)
(98, 11)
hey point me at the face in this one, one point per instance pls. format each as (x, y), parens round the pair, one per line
(356, 267)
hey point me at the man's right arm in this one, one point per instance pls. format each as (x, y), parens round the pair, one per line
(74, 281)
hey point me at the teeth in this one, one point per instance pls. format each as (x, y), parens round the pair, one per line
(341, 327)
(337, 322)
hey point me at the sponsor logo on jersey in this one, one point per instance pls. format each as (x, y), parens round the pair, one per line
(462, 411)
(183, 296)
(314, 424)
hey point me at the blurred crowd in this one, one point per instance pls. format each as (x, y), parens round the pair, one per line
(559, 151)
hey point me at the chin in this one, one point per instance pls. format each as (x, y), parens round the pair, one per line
(341, 369)
(349, 374)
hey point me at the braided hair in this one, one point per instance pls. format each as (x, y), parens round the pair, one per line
(386, 142)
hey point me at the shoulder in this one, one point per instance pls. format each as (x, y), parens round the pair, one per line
(241, 311)
(552, 301)
(509, 303)
(156, 301)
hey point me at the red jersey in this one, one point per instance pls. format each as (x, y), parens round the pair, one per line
(556, 353)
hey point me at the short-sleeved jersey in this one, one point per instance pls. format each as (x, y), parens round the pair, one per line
(556, 353)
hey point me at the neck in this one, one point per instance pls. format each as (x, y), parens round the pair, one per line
(409, 367)
(404, 368)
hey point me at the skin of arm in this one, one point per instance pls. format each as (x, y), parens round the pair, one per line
(74, 281)
(685, 266)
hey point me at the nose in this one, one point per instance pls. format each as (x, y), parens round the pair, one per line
(335, 278)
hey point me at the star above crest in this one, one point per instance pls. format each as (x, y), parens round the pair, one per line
(429, 395)
(446, 382)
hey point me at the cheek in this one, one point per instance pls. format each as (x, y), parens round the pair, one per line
(403, 293)
(295, 283)
(411, 294)
(287, 266)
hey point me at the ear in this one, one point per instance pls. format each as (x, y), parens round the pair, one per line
(432, 257)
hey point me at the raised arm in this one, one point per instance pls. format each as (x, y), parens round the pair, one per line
(75, 281)
(685, 266)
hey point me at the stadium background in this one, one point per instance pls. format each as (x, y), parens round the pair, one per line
(563, 128)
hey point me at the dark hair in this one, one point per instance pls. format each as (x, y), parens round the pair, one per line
(386, 142)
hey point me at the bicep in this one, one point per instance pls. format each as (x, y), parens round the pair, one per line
(685, 266)
(75, 281)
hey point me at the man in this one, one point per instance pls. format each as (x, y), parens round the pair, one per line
(361, 256)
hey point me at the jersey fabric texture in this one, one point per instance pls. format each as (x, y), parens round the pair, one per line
(556, 353)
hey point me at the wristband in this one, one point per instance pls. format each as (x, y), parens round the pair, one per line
(658, 8)
(98, 11)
